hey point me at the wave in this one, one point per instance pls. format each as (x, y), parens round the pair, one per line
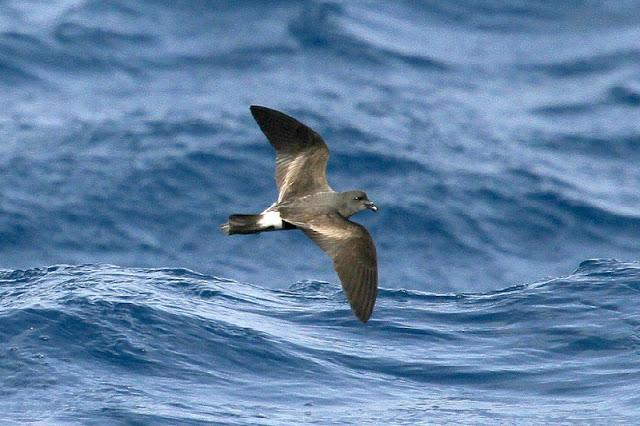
(356, 34)
(594, 64)
(139, 334)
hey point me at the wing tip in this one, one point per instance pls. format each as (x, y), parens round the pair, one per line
(363, 315)
(363, 309)
(269, 118)
(258, 110)
(363, 319)
(363, 299)
(262, 112)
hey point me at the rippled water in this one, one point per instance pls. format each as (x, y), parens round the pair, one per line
(96, 342)
(501, 140)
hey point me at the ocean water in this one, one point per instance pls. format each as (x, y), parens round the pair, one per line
(501, 140)
(101, 344)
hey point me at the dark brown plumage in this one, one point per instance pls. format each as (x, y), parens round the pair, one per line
(301, 154)
(307, 202)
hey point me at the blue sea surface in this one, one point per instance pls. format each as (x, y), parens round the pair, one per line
(501, 140)
(105, 344)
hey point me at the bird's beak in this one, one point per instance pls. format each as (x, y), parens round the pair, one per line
(371, 206)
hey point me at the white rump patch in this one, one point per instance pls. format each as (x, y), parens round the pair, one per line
(270, 218)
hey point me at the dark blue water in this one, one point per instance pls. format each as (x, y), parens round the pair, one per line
(101, 344)
(501, 140)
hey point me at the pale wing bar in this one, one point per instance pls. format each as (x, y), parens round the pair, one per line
(301, 154)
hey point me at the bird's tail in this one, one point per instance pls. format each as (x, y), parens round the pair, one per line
(243, 224)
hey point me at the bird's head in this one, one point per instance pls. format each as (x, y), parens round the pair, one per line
(354, 201)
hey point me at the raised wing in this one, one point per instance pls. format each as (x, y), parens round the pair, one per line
(301, 154)
(353, 252)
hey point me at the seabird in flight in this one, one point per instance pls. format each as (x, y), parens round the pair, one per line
(307, 202)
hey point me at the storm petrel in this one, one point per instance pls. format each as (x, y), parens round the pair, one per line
(307, 202)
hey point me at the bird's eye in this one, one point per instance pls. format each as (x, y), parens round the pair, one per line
(357, 198)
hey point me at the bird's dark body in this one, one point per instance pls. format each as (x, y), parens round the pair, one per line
(321, 203)
(307, 202)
